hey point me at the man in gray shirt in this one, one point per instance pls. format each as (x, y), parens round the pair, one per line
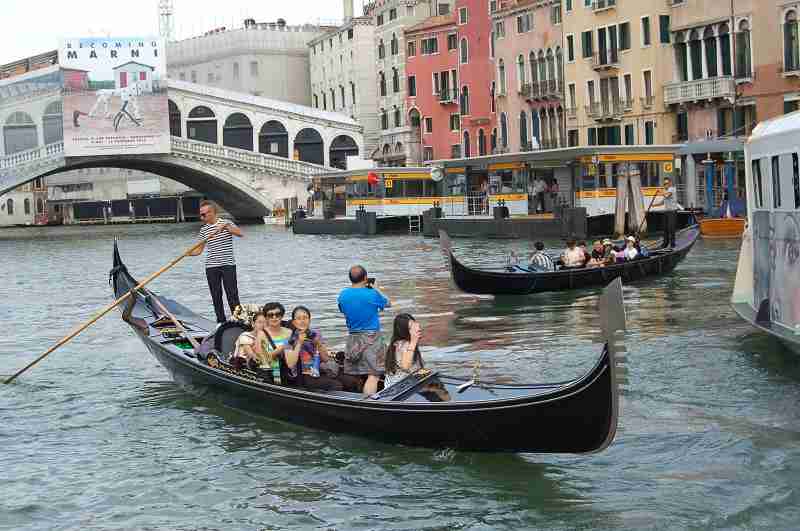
(670, 202)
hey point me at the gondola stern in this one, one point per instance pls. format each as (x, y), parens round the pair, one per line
(612, 313)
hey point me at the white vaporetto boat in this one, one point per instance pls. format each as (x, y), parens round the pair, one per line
(767, 289)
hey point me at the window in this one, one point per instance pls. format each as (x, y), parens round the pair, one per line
(464, 101)
(427, 153)
(452, 42)
(395, 45)
(10, 207)
(572, 103)
(645, 31)
(592, 136)
(790, 106)
(381, 49)
(776, 182)
(481, 143)
(796, 179)
(384, 120)
(436, 83)
(569, 6)
(182, 76)
(350, 34)
(397, 117)
(412, 48)
(455, 151)
(382, 78)
(590, 91)
(791, 49)
(455, 122)
(521, 72)
(555, 14)
(570, 48)
(462, 15)
(392, 13)
(625, 36)
(629, 140)
(663, 29)
(682, 126)
(254, 68)
(235, 71)
(743, 63)
(464, 56)
(429, 125)
(500, 29)
(648, 84)
(503, 130)
(395, 80)
(491, 45)
(649, 133)
(628, 90)
(502, 77)
(524, 22)
(586, 44)
(353, 92)
(757, 191)
(341, 91)
(324, 102)
(333, 99)
(194, 76)
(379, 20)
(316, 101)
(210, 77)
(27, 205)
(572, 138)
(444, 9)
(430, 46)
(412, 85)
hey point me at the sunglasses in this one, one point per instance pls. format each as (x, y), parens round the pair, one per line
(274, 314)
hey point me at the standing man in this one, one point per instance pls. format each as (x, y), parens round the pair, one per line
(538, 190)
(220, 263)
(670, 202)
(361, 304)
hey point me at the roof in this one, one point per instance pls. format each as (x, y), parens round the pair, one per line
(433, 22)
(134, 63)
(788, 123)
(266, 103)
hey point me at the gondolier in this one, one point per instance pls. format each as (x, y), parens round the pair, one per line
(361, 304)
(670, 203)
(220, 261)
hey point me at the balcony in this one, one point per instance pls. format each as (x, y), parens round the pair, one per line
(648, 102)
(605, 111)
(627, 105)
(606, 60)
(572, 113)
(603, 5)
(447, 96)
(550, 89)
(699, 90)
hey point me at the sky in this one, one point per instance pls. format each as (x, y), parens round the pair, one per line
(30, 27)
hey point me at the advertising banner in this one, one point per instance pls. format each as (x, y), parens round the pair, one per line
(115, 96)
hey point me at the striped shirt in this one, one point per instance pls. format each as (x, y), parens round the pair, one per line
(541, 261)
(219, 249)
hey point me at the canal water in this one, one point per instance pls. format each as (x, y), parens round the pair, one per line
(98, 437)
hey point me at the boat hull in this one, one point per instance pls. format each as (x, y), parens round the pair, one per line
(722, 228)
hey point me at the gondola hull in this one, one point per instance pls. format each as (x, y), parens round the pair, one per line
(487, 282)
(578, 416)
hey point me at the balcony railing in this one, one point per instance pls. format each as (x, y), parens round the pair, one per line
(605, 110)
(572, 112)
(648, 101)
(627, 105)
(602, 5)
(699, 90)
(606, 60)
(447, 96)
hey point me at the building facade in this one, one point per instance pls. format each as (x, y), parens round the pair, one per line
(262, 59)
(343, 75)
(529, 69)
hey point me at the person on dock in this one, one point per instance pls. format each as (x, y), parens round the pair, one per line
(540, 261)
(670, 202)
(220, 261)
(365, 352)
(539, 187)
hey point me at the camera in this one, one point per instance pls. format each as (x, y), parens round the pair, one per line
(370, 282)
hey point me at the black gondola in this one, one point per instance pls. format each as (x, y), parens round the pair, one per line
(426, 409)
(520, 281)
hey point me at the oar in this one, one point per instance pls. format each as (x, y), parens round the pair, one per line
(178, 325)
(644, 218)
(114, 304)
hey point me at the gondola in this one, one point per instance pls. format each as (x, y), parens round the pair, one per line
(519, 280)
(427, 409)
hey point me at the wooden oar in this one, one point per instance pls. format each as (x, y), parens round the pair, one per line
(644, 218)
(114, 304)
(178, 325)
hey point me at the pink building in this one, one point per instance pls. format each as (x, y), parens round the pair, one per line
(476, 77)
(529, 76)
(433, 86)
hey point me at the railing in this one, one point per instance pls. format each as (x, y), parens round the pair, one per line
(606, 110)
(700, 89)
(602, 5)
(572, 112)
(606, 60)
(648, 101)
(627, 104)
(30, 155)
(448, 96)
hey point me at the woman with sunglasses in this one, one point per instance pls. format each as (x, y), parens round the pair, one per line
(274, 339)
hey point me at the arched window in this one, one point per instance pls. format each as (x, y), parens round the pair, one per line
(560, 68)
(464, 52)
(551, 69)
(494, 140)
(744, 66)
(791, 48)
(19, 133)
(397, 116)
(175, 126)
(542, 68)
(201, 125)
(384, 119)
(681, 56)
(695, 50)
(725, 48)
(395, 45)
(27, 205)
(342, 147)
(382, 78)
(237, 132)
(381, 50)
(521, 81)
(711, 52)
(467, 148)
(10, 207)
(553, 128)
(536, 134)
(492, 103)
(481, 143)
(523, 131)
(53, 123)
(501, 69)
(503, 131)
(464, 101)
(40, 206)
(545, 139)
(560, 122)
(533, 69)
(309, 146)
(333, 100)
(395, 80)
(273, 139)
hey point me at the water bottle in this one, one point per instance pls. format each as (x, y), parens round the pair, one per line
(276, 370)
(315, 366)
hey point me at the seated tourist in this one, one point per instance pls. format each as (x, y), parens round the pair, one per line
(403, 356)
(247, 348)
(541, 261)
(572, 257)
(586, 255)
(609, 254)
(630, 252)
(273, 339)
(596, 258)
(305, 355)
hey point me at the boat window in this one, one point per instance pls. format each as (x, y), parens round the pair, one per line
(796, 179)
(413, 188)
(757, 191)
(776, 182)
(433, 189)
(396, 188)
(456, 184)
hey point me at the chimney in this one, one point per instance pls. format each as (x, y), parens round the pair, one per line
(348, 10)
